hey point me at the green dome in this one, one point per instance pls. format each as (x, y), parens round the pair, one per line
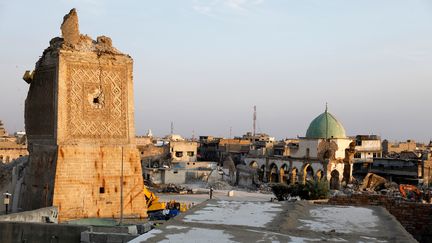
(325, 126)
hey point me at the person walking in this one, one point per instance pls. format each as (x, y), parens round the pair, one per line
(6, 201)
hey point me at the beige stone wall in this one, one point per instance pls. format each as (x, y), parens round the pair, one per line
(427, 172)
(81, 74)
(143, 140)
(87, 182)
(409, 145)
(187, 150)
(150, 151)
(305, 145)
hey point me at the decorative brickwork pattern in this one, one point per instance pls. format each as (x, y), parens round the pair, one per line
(87, 82)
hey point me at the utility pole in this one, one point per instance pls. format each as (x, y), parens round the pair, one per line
(254, 120)
(121, 189)
(230, 132)
(172, 128)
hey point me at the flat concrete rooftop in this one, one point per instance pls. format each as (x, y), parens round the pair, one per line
(247, 221)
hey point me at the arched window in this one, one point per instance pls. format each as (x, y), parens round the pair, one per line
(308, 173)
(334, 180)
(294, 176)
(273, 173)
(283, 174)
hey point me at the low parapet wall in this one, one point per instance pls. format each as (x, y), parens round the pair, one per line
(11, 232)
(42, 215)
(415, 217)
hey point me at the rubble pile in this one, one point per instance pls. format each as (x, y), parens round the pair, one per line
(374, 185)
(220, 185)
(265, 188)
(372, 182)
(172, 188)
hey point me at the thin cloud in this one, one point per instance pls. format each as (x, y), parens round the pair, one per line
(205, 10)
(215, 7)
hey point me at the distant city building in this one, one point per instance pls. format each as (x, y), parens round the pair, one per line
(173, 159)
(393, 148)
(183, 151)
(367, 148)
(11, 147)
(218, 149)
(208, 149)
(156, 152)
(3, 132)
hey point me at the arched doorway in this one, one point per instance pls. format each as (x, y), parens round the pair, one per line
(294, 176)
(273, 173)
(283, 177)
(253, 164)
(334, 180)
(308, 174)
(319, 175)
(261, 172)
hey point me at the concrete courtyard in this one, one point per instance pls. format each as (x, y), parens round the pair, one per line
(224, 220)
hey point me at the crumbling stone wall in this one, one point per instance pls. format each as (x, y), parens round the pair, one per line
(152, 155)
(80, 120)
(414, 217)
(246, 176)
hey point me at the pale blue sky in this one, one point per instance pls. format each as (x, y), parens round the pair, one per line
(204, 64)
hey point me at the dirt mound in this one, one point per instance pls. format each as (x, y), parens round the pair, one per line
(220, 185)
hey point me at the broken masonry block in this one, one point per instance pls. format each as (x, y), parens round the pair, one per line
(28, 76)
(70, 29)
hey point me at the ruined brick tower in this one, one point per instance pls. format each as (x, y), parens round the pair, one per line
(79, 118)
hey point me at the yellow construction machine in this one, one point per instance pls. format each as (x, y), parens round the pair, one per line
(152, 201)
(162, 210)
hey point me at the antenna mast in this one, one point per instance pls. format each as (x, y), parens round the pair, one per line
(327, 126)
(254, 120)
(172, 128)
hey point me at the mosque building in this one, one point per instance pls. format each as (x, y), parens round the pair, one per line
(324, 153)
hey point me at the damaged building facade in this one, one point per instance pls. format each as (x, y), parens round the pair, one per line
(408, 168)
(173, 159)
(79, 118)
(218, 149)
